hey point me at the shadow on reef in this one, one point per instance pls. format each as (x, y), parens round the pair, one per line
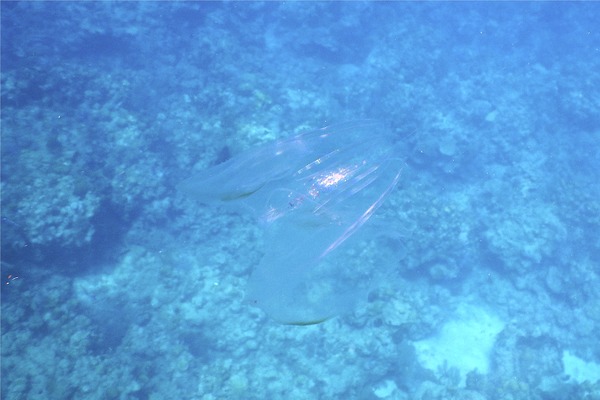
(110, 224)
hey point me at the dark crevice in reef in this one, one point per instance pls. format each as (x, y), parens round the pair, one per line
(110, 223)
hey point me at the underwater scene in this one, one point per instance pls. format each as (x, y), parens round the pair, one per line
(300, 200)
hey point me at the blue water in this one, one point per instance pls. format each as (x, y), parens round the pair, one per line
(478, 277)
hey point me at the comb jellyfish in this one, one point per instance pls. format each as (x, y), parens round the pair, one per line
(314, 195)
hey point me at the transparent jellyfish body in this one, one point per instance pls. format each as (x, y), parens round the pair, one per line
(314, 195)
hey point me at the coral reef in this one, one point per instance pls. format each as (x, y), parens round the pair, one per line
(115, 286)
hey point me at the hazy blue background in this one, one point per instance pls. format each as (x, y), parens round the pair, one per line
(116, 287)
